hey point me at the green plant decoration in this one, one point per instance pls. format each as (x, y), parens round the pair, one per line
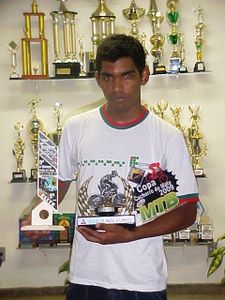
(217, 254)
(64, 268)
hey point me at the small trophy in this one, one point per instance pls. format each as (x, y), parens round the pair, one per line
(183, 68)
(18, 152)
(34, 125)
(134, 14)
(196, 148)
(55, 136)
(82, 57)
(47, 187)
(157, 39)
(174, 37)
(199, 30)
(176, 111)
(109, 205)
(103, 24)
(13, 47)
(160, 108)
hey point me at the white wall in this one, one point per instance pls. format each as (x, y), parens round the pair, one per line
(27, 268)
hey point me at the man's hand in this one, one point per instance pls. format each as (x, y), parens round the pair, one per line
(106, 234)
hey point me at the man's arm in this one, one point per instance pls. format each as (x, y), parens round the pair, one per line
(175, 220)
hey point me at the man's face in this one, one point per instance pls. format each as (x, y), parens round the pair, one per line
(121, 83)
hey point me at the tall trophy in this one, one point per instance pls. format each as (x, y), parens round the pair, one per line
(183, 68)
(64, 31)
(103, 24)
(18, 152)
(195, 144)
(199, 41)
(34, 125)
(82, 57)
(176, 112)
(47, 187)
(35, 63)
(56, 135)
(13, 47)
(173, 16)
(134, 14)
(157, 39)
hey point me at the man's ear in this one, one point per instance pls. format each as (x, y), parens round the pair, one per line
(145, 75)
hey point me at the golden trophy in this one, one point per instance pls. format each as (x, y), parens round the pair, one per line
(157, 39)
(176, 112)
(30, 44)
(199, 41)
(160, 108)
(34, 125)
(134, 14)
(183, 68)
(56, 135)
(195, 145)
(64, 31)
(173, 16)
(18, 151)
(103, 24)
(13, 47)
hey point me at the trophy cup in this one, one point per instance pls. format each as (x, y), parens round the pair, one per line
(55, 136)
(82, 57)
(134, 14)
(29, 44)
(174, 37)
(160, 108)
(199, 30)
(13, 47)
(103, 24)
(64, 31)
(18, 152)
(34, 125)
(47, 187)
(195, 145)
(108, 205)
(157, 39)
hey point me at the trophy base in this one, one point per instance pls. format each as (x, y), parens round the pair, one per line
(126, 221)
(183, 69)
(19, 177)
(33, 175)
(158, 69)
(35, 77)
(67, 70)
(199, 173)
(42, 227)
(199, 67)
(174, 65)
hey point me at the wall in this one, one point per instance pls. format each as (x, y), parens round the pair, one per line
(27, 268)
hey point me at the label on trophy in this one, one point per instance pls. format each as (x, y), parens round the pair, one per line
(47, 185)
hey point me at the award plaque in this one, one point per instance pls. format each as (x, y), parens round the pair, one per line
(20, 174)
(199, 28)
(109, 205)
(157, 39)
(47, 186)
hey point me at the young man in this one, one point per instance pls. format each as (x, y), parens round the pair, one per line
(96, 149)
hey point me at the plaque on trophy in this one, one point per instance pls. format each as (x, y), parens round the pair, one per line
(157, 39)
(47, 187)
(13, 48)
(199, 41)
(196, 146)
(18, 152)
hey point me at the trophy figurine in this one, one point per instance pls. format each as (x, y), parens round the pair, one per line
(82, 57)
(34, 125)
(174, 37)
(183, 68)
(199, 28)
(18, 152)
(13, 47)
(56, 135)
(157, 39)
(134, 14)
(160, 108)
(176, 111)
(196, 148)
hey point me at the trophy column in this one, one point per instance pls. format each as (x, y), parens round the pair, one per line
(31, 68)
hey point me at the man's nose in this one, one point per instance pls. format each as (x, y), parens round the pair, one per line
(117, 84)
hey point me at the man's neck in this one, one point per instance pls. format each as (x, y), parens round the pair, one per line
(121, 116)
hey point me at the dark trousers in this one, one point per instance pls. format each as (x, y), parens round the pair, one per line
(87, 292)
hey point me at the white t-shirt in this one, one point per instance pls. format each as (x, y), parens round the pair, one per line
(100, 155)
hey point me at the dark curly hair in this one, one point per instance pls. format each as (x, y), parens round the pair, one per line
(121, 45)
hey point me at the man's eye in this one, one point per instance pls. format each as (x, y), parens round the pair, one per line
(106, 77)
(127, 76)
